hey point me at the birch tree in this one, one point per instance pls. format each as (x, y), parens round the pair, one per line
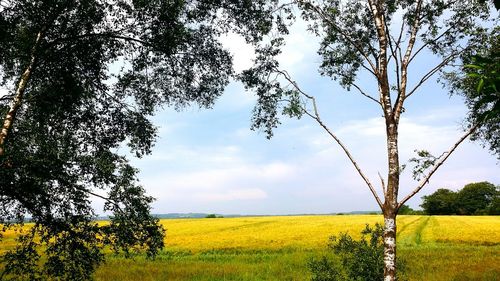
(80, 79)
(382, 39)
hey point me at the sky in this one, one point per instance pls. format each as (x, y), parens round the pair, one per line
(210, 161)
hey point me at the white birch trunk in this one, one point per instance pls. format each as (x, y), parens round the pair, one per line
(16, 102)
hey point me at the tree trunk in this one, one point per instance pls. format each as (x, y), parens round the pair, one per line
(390, 247)
(18, 97)
(391, 200)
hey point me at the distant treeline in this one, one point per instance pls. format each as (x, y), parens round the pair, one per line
(481, 198)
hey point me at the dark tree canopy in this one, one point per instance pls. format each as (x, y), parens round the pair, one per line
(477, 198)
(83, 77)
(481, 198)
(441, 202)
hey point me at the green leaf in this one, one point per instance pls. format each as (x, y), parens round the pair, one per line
(480, 85)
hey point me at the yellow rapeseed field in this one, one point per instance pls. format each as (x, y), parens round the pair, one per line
(259, 232)
(312, 232)
(436, 248)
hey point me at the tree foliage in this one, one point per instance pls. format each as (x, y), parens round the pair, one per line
(82, 79)
(359, 260)
(479, 83)
(406, 210)
(441, 202)
(473, 199)
(477, 198)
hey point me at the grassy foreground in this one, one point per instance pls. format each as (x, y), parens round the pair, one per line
(278, 248)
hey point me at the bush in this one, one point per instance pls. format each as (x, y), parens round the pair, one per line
(213, 216)
(361, 260)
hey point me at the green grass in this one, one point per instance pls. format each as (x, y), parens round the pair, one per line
(424, 262)
(215, 265)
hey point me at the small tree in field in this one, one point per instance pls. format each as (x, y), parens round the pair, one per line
(382, 39)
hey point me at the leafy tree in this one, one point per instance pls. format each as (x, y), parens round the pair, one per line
(479, 83)
(381, 39)
(442, 202)
(406, 210)
(480, 198)
(81, 79)
(494, 207)
(475, 198)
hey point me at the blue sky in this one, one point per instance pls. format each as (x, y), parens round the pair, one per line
(210, 161)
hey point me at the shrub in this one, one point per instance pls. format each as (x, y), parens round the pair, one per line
(353, 260)
(213, 216)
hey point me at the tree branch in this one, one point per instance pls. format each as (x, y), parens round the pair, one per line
(316, 116)
(6, 97)
(363, 92)
(440, 162)
(17, 100)
(109, 200)
(405, 62)
(382, 182)
(348, 38)
(427, 43)
(433, 71)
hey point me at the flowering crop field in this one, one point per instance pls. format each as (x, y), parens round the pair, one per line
(312, 232)
(278, 248)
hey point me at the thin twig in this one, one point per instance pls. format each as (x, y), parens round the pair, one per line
(432, 72)
(382, 182)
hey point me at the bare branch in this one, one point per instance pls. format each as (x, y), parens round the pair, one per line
(364, 93)
(316, 116)
(440, 162)
(413, 35)
(6, 98)
(433, 71)
(396, 62)
(346, 151)
(382, 182)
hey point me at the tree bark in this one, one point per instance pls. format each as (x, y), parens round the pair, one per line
(390, 246)
(16, 102)
(390, 208)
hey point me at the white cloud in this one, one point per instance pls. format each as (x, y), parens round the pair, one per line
(300, 51)
(231, 195)
(216, 179)
(243, 53)
(4, 91)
